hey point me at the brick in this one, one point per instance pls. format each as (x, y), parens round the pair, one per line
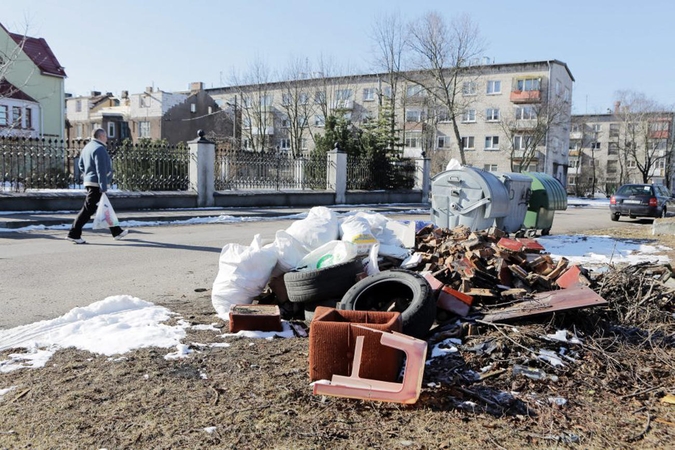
(450, 303)
(572, 277)
(462, 297)
(255, 317)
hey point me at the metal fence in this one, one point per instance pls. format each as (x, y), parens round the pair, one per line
(368, 173)
(241, 169)
(39, 164)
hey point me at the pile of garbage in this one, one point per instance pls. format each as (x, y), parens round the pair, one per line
(461, 292)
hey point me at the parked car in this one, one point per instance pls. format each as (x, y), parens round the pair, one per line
(641, 200)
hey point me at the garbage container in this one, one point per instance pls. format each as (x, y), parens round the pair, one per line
(519, 189)
(467, 196)
(548, 196)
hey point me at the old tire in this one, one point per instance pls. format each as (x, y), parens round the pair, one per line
(410, 292)
(322, 284)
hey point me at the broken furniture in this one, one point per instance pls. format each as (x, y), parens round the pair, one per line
(355, 386)
(333, 335)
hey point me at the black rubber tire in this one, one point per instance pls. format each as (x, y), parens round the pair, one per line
(322, 284)
(311, 306)
(413, 297)
(615, 217)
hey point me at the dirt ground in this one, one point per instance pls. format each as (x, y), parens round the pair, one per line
(256, 393)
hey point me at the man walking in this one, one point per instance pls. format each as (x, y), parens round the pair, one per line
(96, 167)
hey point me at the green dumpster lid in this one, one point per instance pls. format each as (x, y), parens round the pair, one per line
(547, 191)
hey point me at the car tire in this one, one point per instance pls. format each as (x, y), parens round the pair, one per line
(322, 284)
(410, 292)
(615, 217)
(664, 213)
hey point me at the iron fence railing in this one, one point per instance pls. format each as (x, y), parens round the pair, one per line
(369, 173)
(242, 169)
(39, 164)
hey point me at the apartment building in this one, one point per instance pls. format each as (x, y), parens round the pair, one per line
(608, 150)
(505, 105)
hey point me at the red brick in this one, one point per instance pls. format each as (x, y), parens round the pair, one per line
(255, 317)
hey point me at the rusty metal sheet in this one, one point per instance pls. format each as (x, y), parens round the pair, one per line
(576, 297)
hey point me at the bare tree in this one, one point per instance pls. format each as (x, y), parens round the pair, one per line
(645, 134)
(256, 101)
(389, 36)
(527, 128)
(296, 104)
(442, 54)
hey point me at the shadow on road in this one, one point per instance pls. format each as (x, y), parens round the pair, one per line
(152, 244)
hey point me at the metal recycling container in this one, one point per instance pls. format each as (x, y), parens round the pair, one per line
(467, 196)
(519, 189)
(548, 196)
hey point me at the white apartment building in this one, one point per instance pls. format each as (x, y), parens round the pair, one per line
(503, 103)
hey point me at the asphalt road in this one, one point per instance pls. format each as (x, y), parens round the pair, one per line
(43, 276)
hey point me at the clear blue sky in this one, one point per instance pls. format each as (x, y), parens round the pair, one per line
(130, 44)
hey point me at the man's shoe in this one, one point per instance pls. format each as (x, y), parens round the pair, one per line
(76, 240)
(121, 235)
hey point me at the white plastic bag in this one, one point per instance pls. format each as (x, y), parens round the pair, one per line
(320, 226)
(243, 274)
(289, 252)
(329, 254)
(356, 229)
(105, 215)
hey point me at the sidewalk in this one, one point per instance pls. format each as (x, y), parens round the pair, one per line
(18, 220)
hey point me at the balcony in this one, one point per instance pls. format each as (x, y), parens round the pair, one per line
(414, 126)
(265, 130)
(525, 96)
(659, 134)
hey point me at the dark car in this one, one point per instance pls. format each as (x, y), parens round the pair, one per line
(641, 200)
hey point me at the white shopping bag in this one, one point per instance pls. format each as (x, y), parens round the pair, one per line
(105, 215)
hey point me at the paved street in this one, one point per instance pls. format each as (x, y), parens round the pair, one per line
(44, 276)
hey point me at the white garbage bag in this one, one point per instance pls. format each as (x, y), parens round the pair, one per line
(242, 275)
(320, 226)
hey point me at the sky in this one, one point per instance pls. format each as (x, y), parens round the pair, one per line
(608, 45)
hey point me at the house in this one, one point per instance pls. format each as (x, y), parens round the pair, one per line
(505, 106)
(32, 96)
(153, 114)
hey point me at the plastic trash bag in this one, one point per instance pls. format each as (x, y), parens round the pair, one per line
(329, 254)
(320, 226)
(242, 275)
(105, 216)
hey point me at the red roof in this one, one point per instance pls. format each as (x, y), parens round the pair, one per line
(39, 52)
(8, 90)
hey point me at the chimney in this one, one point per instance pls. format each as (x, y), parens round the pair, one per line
(617, 106)
(95, 93)
(196, 86)
(148, 89)
(125, 94)
(108, 94)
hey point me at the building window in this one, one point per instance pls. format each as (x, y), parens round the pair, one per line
(285, 123)
(631, 164)
(3, 115)
(491, 142)
(144, 129)
(528, 84)
(284, 144)
(303, 98)
(16, 116)
(78, 105)
(285, 99)
(490, 167)
(613, 148)
(575, 128)
(469, 115)
(343, 94)
(469, 88)
(386, 91)
(319, 120)
(246, 122)
(468, 143)
(111, 129)
(413, 115)
(246, 144)
(144, 101)
(521, 142)
(526, 113)
(573, 161)
(266, 100)
(302, 121)
(443, 115)
(443, 141)
(29, 118)
(613, 130)
(319, 98)
(414, 91)
(494, 87)
(413, 142)
(612, 167)
(368, 94)
(492, 114)
(597, 127)
(595, 145)
(78, 130)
